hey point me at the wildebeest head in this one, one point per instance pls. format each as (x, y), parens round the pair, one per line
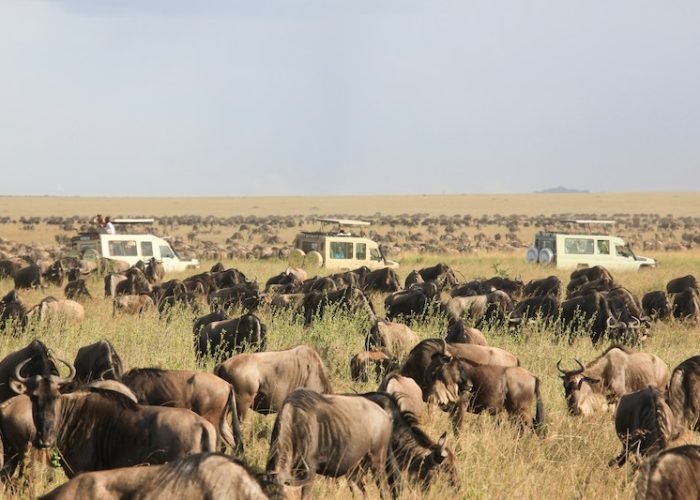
(578, 389)
(44, 392)
(445, 379)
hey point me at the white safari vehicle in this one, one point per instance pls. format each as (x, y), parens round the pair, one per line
(130, 247)
(576, 250)
(338, 248)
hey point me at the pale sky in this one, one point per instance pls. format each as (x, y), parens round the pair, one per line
(208, 97)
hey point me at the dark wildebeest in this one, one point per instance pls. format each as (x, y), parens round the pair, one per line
(406, 391)
(458, 385)
(408, 305)
(245, 295)
(111, 281)
(678, 285)
(589, 312)
(350, 299)
(644, 424)
(670, 474)
(201, 284)
(601, 285)
(396, 338)
(657, 305)
(332, 435)
(97, 361)
(437, 271)
(431, 289)
(204, 393)
(202, 321)
(262, 380)
(598, 275)
(626, 316)
(684, 393)
(54, 274)
(494, 307)
(225, 338)
(155, 272)
(217, 268)
(284, 280)
(550, 285)
(545, 307)
(8, 268)
(77, 289)
(28, 277)
(323, 284)
(75, 424)
(611, 375)
(686, 306)
(380, 362)
(459, 333)
(229, 277)
(592, 273)
(421, 356)
(41, 363)
(12, 312)
(469, 289)
(204, 475)
(134, 284)
(381, 280)
(413, 278)
(513, 287)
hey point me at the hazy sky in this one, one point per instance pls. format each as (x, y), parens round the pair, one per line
(207, 97)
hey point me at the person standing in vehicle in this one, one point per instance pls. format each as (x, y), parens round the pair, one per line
(109, 227)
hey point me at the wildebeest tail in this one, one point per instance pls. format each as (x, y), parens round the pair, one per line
(235, 424)
(538, 421)
(677, 393)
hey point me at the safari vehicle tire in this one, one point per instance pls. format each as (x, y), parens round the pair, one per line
(91, 254)
(313, 260)
(546, 256)
(296, 257)
(532, 255)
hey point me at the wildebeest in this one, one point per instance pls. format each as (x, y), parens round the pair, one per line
(244, 294)
(396, 338)
(155, 272)
(202, 321)
(12, 311)
(40, 363)
(546, 307)
(262, 380)
(229, 277)
(595, 278)
(134, 284)
(459, 333)
(550, 285)
(512, 287)
(204, 393)
(224, 338)
(28, 277)
(611, 375)
(409, 305)
(592, 273)
(406, 392)
(657, 305)
(431, 289)
(626, 317)
(77, 289)
(17, 431)
(287, 281)
(204, 475)
(380, 362)
(350, 299)
(52, 310)
(589, 311)
(438, 271)
(54, 274)
(686, 306)
(8, 267)
(413, 278)
(493, 307)
(381, 280)
(323, 284)
(460, 386)
(671, 473)
(97, 361)
(111, 281)
(74, 423)
(644, 423)
(132, 304)
(684, 393)
(678, 285)
(332, 435)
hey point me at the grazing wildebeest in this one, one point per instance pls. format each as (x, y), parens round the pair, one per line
(97, 361)
(134, 284)
(545, 307)
(686, 306)
(8, 267)
(111, 281)
(200, 284)
(323, 284)
(406, 391)
(413, 278)
(380, 362)
(396, 338)
(54, 274)
(468, 289)
(672, 473)
(459, 385)
(74, 423)
(229, 278)
(202, 321)
(245, 295)
(52, 310)
(77, 289)
(262, 380)
(204, 393)
(600, 285)
(459, 333)
(592, 273)
(204, 475)
(224, 338)
(611, 375)
(626, 317)
(494, 307)
(350, 299)
(217, 268)
(422, 354)
(284, 280)
(41, 363)
(12, 311)
(431, 289)
(334, 436)
(678, 285)
(657, 305)
(409, 305)
(684, 393)
(644, 423)
(512, 287)
(28, 277)
(155, 272)
(132, 304)
(550, 285)
(434, 273)
(381, 280)
(589, 312)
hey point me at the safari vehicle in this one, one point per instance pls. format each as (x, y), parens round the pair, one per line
(338, 248)
(130, 247)
(580, 249)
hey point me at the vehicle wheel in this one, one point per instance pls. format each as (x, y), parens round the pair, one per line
(313, 260)
(532, 255)
(296, 257)
(546, 256)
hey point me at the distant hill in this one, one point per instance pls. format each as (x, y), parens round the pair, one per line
(562, 189)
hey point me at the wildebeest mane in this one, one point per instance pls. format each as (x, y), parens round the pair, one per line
(621, 347)
(120, 399)
(147, 372)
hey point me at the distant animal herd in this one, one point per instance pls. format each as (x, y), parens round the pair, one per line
(104, 422)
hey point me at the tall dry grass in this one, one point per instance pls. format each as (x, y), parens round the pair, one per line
(493, 460)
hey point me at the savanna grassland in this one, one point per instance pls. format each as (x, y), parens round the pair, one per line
(494, 461)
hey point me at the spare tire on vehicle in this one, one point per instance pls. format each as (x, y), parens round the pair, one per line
(532, 255)
(546, 256)
(296, 257)
(313, 260)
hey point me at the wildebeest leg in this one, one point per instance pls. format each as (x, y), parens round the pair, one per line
(458, 411)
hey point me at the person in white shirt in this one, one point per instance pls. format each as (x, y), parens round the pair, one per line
(109, 227)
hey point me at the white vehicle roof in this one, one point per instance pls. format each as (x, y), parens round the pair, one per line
(342, 222)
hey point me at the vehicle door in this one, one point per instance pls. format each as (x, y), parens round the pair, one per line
(340, 254)
(168, 258)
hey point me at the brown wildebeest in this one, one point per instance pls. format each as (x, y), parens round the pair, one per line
(76, 290)
(97, 361)
(204, 475)
(686, 306)
(678, 285)
(132, 304)
(262, 380)
(492, 307)
(672, 473)
(111, 281)
(155, 272)
(459, 333)
(644, 423)
(74, 423)
(134, 284)
(380, 362)
(684, 393)
(13, 313)
(459, 386)
(545, 307)
(550, 285)
(51, 310)
(202, 321)
(611, 375)
(407, 393)
(396, 338)
(334, 436)
(381, 280)
(225, 338)
(41, 363)
(589, 312)
(657, 305)
(410, 305)
(204, 393)
(351, 299)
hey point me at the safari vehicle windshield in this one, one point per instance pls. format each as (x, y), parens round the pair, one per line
(624, 250)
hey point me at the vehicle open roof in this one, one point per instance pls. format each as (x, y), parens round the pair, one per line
(341, 222)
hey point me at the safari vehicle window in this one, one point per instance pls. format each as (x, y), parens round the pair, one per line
(579, 246)
(604, 247)
(123, 248)
(311, 246)
(341, 250)
(375, 254)
(166, 252)
(146, 249)
(623, 250)
(361, 251)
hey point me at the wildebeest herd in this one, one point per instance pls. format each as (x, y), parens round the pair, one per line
(105, 423)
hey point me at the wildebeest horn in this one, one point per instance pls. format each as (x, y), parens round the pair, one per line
(444, 348)
(105, 372)
(635, 323)
(580, 365)
(611, 322)
(18, 370)
(70, 366)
